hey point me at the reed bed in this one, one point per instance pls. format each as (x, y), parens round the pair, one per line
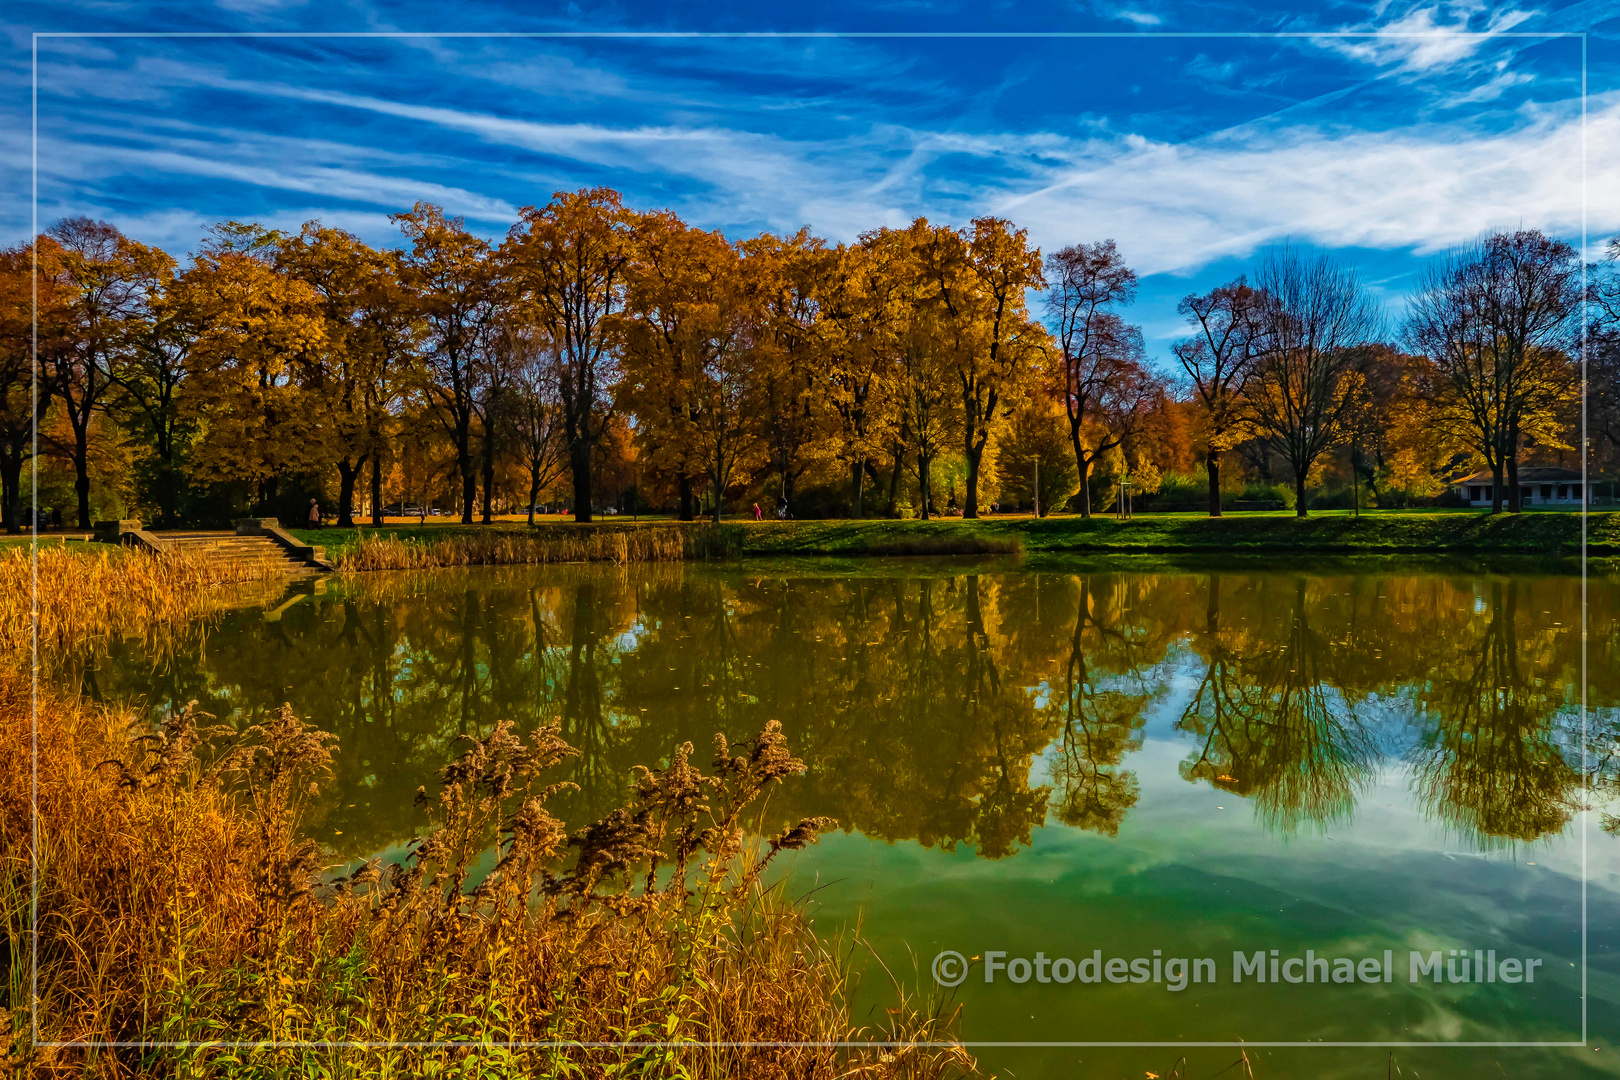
(86, 594)
(180, 902)
(651, 543)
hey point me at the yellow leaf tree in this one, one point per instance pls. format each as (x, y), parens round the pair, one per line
(257, 327)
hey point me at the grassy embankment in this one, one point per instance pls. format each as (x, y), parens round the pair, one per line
(180, 902)
(1333, 533)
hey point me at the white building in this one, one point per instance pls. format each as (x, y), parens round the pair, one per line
(1538, 486)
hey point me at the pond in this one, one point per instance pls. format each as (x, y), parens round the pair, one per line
(1051, 760)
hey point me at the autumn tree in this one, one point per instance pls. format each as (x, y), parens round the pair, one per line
(349, 379)
(500, 361)
(669, 309)
(1106, 389)
(1603, 348)
(978, 278)
(1381, 443)
(788, 275)
(25, 391)
(149, 377)
(390, 333)
(567, 261)
(731, 388)
(929, 417)
(1036, 443)
(531, 414)
(103, 280)
(456, 288)
(914, 339)
(1306, 382)
(258, 328)
(863, 295)
(1496, 320)
(1219, 359)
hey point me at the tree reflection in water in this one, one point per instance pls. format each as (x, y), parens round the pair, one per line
(1490, 761)
(929, 698)
(1273, 723)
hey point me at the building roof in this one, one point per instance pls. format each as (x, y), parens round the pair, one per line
(1536, 474)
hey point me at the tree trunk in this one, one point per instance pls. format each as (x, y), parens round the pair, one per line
(1299, 493)
(464, 466)
(347, 474)
(376, 488)
(1515, 499)
(923, 487)
(896, 474)
(267, 496)
(1212, 465)
(715, 471)
(81, 475)
(11, 489)
(1496, 487)
(534, 491)
(970, 504)
(1083, 465)
(687, 512)
(168, 496)
(579, 460)
(489, 476)
(860, 480)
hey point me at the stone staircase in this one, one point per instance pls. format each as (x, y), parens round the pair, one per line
(259, 547)
(243, 556)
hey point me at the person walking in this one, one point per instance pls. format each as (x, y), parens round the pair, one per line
(314, 513)
(756, 512)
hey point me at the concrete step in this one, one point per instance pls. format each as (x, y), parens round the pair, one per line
(241, 555)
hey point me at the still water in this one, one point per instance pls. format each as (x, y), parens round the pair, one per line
(1052, 760)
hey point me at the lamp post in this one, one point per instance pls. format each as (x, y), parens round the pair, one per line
(1037, 487)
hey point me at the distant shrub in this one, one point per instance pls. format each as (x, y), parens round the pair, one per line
(1179, 492)
(825, 501)
(1337, 498)
(1257, 495)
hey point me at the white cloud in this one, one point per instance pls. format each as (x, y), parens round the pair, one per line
(1488, 91)
(1173, 207)
(1425, 39)
(1177, 207)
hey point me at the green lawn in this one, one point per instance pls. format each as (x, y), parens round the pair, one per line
(1540, 534)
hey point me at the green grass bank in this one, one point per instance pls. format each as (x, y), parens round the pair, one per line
(1544, 534)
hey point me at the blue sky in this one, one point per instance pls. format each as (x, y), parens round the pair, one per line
(1191, 152)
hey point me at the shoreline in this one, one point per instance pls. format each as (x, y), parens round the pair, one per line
(1536, 534)
(1544, 537)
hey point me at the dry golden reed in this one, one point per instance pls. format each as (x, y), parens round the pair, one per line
(86, 592)
(648, 543)
(180, 902)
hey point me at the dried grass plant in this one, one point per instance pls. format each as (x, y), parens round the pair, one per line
(180, 902)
